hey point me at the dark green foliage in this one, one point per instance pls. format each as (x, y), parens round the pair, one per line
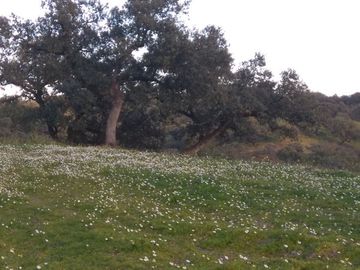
(19, 118)
(292, 99)
(142, 126)
(353, 102)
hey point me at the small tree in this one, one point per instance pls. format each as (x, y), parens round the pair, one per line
(32, 71)
(343, 127)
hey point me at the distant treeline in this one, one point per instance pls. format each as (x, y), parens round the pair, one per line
(138, 77)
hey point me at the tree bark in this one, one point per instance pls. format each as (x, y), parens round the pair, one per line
(206, 139)
(52, 129)
(116, 106)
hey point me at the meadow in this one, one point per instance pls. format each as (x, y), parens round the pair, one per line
(102, 208)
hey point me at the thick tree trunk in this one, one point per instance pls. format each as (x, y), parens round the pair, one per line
(52, 129)
(206, 139)
(116, 106)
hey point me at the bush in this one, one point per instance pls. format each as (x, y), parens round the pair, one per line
(334, 156)
(20, 117)
(291, 153)
(285, 129)
(250, 130)
(344, 128)
(5, 126)
(20, 123)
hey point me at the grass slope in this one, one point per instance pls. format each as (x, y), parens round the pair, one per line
(95, 208)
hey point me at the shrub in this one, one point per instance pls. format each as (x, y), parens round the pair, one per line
(285, 129)
(5, 126)
(334, 156)
(249, 130)
(291, 153)
(20, 117)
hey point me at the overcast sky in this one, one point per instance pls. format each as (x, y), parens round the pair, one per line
(320, 39)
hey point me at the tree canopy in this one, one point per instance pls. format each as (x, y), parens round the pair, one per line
(137, 75)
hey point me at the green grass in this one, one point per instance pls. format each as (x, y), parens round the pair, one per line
(96, 208)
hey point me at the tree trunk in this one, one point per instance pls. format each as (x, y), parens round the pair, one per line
(52, 129)
(206, 139)
(116, 106)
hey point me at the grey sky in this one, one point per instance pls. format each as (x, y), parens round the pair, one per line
(318, 38)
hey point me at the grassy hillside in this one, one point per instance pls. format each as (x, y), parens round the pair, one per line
(96, 208)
